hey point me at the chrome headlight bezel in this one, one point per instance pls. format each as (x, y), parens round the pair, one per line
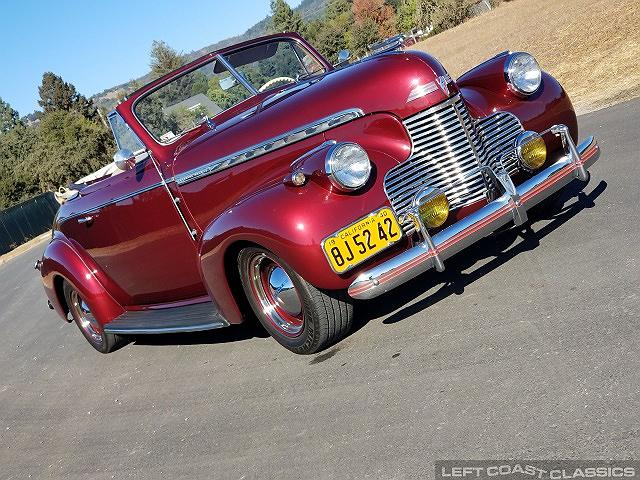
(335, 166)
(523, 139)
(518, 64)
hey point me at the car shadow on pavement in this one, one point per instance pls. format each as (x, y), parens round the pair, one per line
(499, 247)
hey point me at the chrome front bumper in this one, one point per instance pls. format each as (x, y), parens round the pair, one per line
(511, 206)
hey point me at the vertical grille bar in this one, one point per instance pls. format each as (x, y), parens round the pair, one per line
(447, 143)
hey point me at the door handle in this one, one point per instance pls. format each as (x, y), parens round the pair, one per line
(87, 219)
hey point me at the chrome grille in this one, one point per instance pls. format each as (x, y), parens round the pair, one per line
(496, 135)
(447, 145)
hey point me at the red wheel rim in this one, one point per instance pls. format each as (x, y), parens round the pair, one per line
(277, 297)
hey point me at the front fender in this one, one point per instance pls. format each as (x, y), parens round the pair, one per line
(485, 91)
(291, 222)
(61, 260)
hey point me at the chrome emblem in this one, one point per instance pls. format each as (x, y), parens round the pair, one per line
(420, 90)
(443, 81)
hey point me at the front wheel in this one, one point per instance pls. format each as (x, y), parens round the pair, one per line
(295, 313)
(87, 323)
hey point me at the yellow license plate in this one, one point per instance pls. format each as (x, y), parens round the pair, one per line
(361, 240)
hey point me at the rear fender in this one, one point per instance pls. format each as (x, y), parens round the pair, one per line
(61, 261)
(291, 222)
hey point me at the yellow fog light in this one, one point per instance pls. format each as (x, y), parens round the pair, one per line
(531, 150)
(433, 207)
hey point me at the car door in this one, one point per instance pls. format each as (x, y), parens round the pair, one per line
(134, 233)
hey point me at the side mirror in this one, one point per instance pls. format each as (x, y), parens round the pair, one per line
(227, 82)
(343, 57)
(124, 159)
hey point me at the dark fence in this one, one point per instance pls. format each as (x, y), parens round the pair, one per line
(22, 222)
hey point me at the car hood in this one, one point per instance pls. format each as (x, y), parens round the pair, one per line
(382, 83)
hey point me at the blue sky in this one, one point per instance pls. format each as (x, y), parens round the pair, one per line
(96, 45)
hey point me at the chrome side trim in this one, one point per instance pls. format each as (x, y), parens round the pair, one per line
(270, 145)
(189, 318)
(174, 200)
(510, 206)
(140, 330)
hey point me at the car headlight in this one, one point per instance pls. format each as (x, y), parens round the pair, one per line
(523, 73)
(347, 166)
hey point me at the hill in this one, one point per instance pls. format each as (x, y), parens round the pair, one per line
(590, 46)
(308, 9)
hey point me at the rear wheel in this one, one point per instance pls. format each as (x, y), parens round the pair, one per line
(87, 323)
(296, 314)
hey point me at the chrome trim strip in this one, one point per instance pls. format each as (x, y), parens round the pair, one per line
(174, 200)
(188, 318)
(421, 257)
(170, 329)
(270, 145)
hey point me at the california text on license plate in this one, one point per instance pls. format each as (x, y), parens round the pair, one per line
(361, 240)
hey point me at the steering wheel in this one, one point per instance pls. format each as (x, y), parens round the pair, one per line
(273, 81)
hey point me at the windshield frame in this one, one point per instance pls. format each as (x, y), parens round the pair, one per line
(220, 56)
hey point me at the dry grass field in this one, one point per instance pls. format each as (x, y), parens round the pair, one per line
(591, 46)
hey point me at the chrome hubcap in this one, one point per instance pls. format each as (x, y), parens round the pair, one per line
(86, 320)
(284, 292)
(276, 294)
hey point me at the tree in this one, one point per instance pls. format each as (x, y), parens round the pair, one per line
(56, 94)
(66, 147)
(331, 33)
(441, 14)
(164, 59)
(407, 15)
(363, 35)
(330, 40)
(378, 15)
(9, 118)
(338, 10)
(449, 13)
(284, 19)
(15, 182)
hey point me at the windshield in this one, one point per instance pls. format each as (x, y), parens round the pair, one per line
(186, 101)
(273, 64)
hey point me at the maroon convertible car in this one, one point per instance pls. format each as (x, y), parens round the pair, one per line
(263, 179)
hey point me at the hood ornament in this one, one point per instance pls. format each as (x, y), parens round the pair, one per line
(443, 82)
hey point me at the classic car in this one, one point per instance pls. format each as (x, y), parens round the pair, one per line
(262, 181)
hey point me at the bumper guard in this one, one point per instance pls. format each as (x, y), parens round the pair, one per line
(512, 205)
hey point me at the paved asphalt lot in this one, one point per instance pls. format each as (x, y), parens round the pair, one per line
(526, 347)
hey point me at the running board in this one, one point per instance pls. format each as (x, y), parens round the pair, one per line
(189, 318)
